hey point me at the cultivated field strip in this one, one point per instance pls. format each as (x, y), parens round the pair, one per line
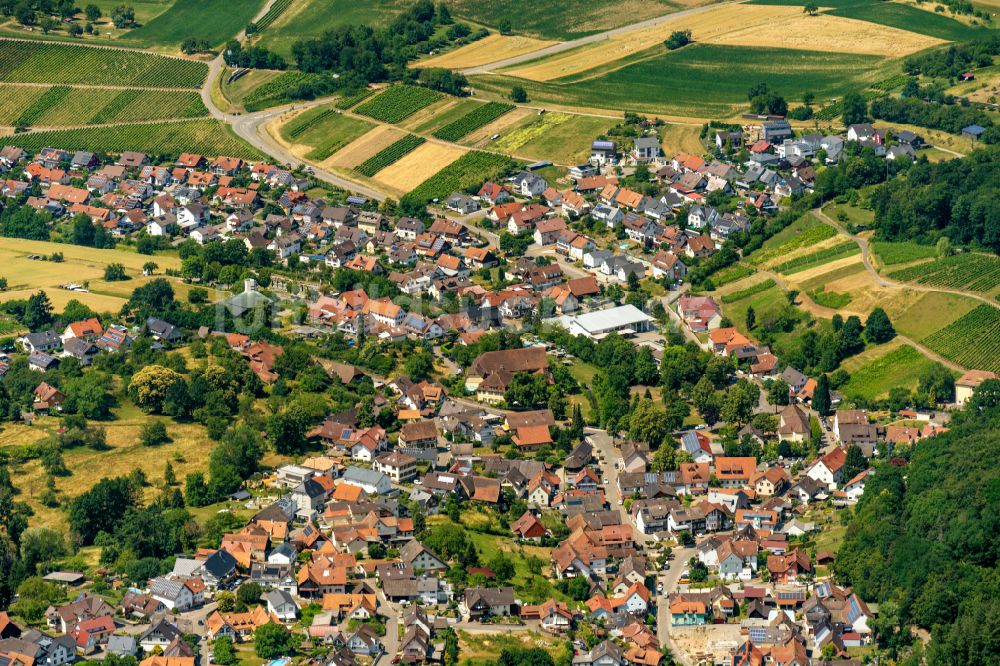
(276, 10)
(42, 62)
(470, 122)
(473, 167)
(975, 272)
(65, 106)
(398, 103)
(208, 137)
(390, 155)
(972, 340)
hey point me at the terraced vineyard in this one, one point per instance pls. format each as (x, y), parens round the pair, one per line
(305, 122)
(276, 10)
(398, 103)
(208, 137)
(390, 155)
(470, 122)
(43, 62)
(732, 274)
(471, 168)
(902, 253)
(52, 97)
(812, 234)
(971, 271)
(972, 340)
(275, 91)
(818, 258)
(65, 106)
(324, 130)
(748, 292)
(349, 100)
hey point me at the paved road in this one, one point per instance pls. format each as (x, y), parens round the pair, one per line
(390, 642)
(669, 580)
(590, 39)
(668, 304)
(610, 454)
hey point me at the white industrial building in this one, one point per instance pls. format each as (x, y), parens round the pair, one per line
(624, 320)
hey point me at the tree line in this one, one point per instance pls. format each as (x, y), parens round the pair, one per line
(922, 542)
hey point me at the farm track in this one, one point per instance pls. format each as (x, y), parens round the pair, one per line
(106, 47)
(589, 39)
(809, 305)
(59, 128)
(97, 86)
(888, 283)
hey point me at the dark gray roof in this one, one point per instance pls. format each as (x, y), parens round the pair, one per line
(220, 564)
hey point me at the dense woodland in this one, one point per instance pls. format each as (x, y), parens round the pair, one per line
(956, 198)
(923, 542)
(955, 60)
(354, 55)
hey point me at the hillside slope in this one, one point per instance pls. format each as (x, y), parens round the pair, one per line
(923, 543)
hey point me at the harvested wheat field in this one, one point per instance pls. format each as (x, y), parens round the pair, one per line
(418, 166)
(489, 49)
(830, 33)
(371, 143)
(737, 25)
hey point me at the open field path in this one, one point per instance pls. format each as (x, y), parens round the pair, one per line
(96, 86)
(888, 283)
(106, 47)
(589, 39)
(809, 305)
(218, 64)
(58, 128)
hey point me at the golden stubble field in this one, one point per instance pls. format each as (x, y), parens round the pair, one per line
(484, 51)
(188, 452)
(80, 264)
(737, 25)
(418, 166)
(359, 150)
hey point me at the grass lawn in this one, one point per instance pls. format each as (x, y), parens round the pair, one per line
(932, 312)
(890, 254)
(188, 452)
(582, 372)
(878, 369)
(582, 401)
(26, 276)
(212, 20)
(847, 214)
(700, 81)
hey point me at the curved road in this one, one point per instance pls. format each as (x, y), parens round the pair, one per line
(822, 310)
(888, 283)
